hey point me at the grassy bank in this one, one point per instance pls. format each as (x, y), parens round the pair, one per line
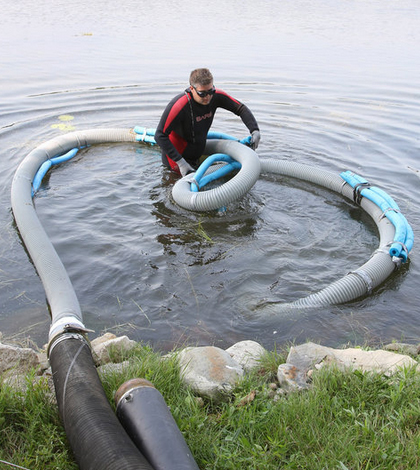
(345, 421)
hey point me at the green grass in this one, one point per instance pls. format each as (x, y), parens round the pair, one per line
(347, 420)
(31, 434)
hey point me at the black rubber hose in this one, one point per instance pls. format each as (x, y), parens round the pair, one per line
(98, 440)
(147, 419)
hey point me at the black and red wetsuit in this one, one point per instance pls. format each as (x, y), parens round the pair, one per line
(183, 127)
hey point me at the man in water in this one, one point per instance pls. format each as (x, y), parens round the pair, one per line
(183, 127)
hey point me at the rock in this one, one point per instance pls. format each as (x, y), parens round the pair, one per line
(213, 373)
(17, 361)
(405, 348)
(209, 371)
(44, 363)
(311, 355)
(247, 353)
(291, 378)
(102, 339)
(374, 361)
(117, 348)
(307, 355)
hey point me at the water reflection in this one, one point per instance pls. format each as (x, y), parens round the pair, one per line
(198, 234)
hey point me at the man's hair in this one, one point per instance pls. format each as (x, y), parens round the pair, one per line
(201, 77)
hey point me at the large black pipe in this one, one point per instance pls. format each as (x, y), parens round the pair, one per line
(145, 415)
(98, 440)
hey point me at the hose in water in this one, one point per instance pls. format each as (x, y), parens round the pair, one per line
(98, 440)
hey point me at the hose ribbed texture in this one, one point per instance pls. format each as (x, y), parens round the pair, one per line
(58, 288)
(233, 189)
(59, 291)
(98, 439)
(360, 281)
(303, 172)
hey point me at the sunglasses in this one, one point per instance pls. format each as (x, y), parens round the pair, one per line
(203, 94)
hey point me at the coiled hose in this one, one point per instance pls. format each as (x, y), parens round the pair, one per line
(96, 437)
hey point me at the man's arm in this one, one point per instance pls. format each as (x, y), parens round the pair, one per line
(171, 143)
(231, 104)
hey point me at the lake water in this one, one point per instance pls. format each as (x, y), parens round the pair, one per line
(333, 84)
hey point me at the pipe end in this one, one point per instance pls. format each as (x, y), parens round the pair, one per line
(130, 385)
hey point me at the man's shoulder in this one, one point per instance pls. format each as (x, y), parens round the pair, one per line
(178, 101)
(224, 97)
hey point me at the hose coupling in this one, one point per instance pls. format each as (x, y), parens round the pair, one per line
(64, 328)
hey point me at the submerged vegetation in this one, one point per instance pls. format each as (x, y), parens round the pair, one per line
(346, 420)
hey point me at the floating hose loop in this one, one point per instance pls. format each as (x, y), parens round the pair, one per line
(201, 179)
(404, 236)
(400, 249)
(233, 189)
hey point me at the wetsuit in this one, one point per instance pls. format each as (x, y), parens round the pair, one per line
(183, 127)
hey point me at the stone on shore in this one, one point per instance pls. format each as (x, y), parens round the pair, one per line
(17, 361)
(212, 372)
(291, 378)
(110, 348)
(209, 371)
(308, 356)
(404, 348)
(247, 353)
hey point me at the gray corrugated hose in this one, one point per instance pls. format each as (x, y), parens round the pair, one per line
(98, 440)
(59, 290)
(236, 187)
(68, 349)
(363, 279)
(356, 283)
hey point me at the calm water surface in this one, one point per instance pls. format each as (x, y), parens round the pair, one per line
(333, 84)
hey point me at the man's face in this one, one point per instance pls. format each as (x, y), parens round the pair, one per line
(200, 90)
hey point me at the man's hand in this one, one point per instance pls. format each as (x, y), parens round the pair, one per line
(255, 140)
(184, 167)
